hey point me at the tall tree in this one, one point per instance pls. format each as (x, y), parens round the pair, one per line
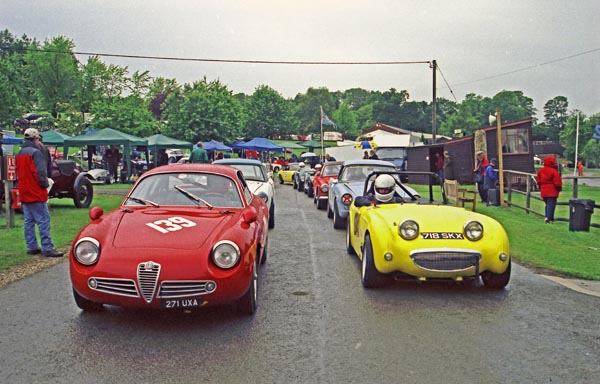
(345, 118)
(308, 108)
(203, 111)
(386, 106)
(15, 87)
(513, 106)
(268, 114)
(54, 73)
(556, 116)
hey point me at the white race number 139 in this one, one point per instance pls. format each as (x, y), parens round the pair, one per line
(171, 224)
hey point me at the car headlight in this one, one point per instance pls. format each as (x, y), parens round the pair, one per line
(324, 188)
(264, 197)
(408, 229)
(87, 251)
(226, 254)
(473, 230)
(347, 199)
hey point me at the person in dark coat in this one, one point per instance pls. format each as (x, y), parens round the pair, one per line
(448, 167)
(490, 178)
(550, 183)
(482, 163)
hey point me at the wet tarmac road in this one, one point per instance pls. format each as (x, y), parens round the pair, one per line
(315, 324)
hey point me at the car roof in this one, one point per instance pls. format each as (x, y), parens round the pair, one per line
(237, 161)
(368, 162)
(195, 167)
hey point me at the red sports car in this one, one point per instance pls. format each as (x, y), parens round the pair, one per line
(186, 235)
(321, 182)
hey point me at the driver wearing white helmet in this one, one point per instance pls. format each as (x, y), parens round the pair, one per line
(384, 192)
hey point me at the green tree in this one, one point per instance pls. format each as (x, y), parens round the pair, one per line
(54, 73)
(513, 106)
(15, 94)
(386, 106)
(588, 146)
(364, 117)
(346, 121)
(203, 111)
(308, 109)
(268, 114)
(556, 115)
(128, 114)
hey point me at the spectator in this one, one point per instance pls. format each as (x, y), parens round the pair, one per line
(448, 167)
(479, 171)
(550, 183)
(1, 138)
(328, 157)
(163, 158)
(373, 155)
(490, 178)
(580, 168)
(33, 184)
(366, 155)
(439, 165)
(112, 157)
(199, 155)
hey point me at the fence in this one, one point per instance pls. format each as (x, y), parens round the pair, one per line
(523, 184)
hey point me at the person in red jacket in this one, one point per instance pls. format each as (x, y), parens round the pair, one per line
(550, 183)
(479, 173)
(32, 174)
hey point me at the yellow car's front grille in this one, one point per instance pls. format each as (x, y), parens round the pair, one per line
(446, 260)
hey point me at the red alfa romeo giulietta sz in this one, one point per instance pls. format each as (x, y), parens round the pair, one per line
(185, 236)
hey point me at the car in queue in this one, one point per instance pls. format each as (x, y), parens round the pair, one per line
(258, 179)
(320, 183)
(300, 177)
(185, 236)
(425, 239)
(286, 175)
(349, 184)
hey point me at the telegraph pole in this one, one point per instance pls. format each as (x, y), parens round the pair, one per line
(434, 103)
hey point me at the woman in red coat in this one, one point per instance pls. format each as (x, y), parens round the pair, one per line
(550, 183)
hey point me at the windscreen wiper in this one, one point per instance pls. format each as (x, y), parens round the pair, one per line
(193, 197)
(143, 201)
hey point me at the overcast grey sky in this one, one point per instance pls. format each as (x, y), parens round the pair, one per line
(471, 40)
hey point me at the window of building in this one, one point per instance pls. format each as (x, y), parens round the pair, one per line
(515, 140)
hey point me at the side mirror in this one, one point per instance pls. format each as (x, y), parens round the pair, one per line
(95, 213)
(249, 215)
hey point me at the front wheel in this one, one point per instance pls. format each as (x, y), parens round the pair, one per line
(83, 192)
(85, 304)
(349, 247)
(338, 222)
(329, 211)
(247, 303)
(272, 215)
(280, 179)
(496, 281)
(369, 277)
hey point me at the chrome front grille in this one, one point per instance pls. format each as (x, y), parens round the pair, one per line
(147, 275)
(173, 289)
(121, 287)
(446, 259)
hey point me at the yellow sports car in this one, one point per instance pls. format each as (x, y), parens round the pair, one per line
(424, 239)
(287, 174)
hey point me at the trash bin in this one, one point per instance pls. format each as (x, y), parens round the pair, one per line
(493, 197)
(580, 214)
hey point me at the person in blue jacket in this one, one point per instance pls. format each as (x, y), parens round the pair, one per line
(490, 178)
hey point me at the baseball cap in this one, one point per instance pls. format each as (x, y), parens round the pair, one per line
(31, 133)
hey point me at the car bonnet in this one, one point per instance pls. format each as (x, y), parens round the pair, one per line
(173, 229)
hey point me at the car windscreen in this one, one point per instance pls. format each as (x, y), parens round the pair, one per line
(391, 153)
(215, 189)
(330, 170)
(251, 171)
(360, 172)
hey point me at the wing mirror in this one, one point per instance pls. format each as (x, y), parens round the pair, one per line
(249, 215)
(95, 213)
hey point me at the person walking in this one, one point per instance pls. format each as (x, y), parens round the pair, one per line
(550, 183)
(448, 167)
(439, 165)
(482, 163)
(580, 168)
(33, 184)
(199, 154)
(111, 157)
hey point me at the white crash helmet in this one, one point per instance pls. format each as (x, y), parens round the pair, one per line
(384, 188)
(318, 166)
(301, 165)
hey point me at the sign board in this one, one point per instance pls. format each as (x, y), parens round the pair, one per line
(11, 168)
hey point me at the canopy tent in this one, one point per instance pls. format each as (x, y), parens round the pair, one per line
(158, 141)
(260, 144)
(310, 144)
(214, 145)
(290, 145)
(109, 136)
(11, 140)
(53, 137)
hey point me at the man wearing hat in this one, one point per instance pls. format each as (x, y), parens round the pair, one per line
(1, 137)
(490, 178)
(32, 173)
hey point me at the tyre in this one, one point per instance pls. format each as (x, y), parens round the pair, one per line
(338, 222)
(349, 247)
(310, 192)
(83, 192)
(329, 211)
(265, 253)
(294, 185)
(300, 186)
(496, 281)
(247, 303)
(272, 215)
(85, 304)
(280, 179)
(369, 277)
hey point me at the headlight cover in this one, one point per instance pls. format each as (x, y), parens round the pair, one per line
(226, 254)
(264, 197)
(473, 230)
(408, 229)
(324, 188)
(87, 251)
(347, 199)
